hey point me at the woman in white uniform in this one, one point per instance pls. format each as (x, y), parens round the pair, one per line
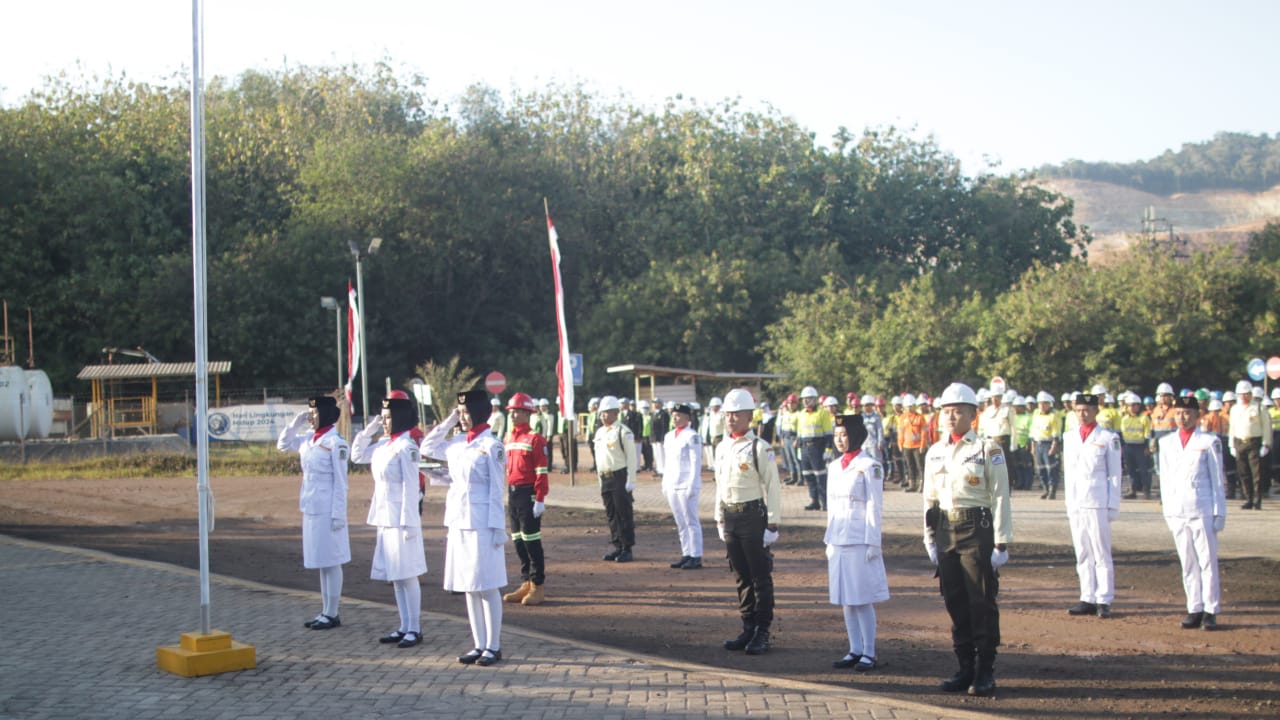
(855, 565)
(682, 485)
(475, 560)
(398, 556)
(323, 500)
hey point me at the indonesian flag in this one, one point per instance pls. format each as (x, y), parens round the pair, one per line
(353, 342)
(564, 369)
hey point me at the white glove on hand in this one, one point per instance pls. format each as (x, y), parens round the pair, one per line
(873, 552)
(372, 428)
(1263, 452)
(1233, 451)
(1112, 514)
(999, 558)
(932, 549)
(720, 531)
(770, 537)
(336, 524)
(539, 507)
(1219, 522)
(631, 486)
(300, 419)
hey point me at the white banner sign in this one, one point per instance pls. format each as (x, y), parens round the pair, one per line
(251, 423)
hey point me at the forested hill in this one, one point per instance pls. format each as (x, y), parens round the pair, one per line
(1230, 161)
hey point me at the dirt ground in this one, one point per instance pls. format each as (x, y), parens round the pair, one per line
(1138, 664)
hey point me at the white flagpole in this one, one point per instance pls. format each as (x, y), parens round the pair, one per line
(201, 320)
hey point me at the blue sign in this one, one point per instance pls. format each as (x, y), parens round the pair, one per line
(1257, 369)
(575, 366)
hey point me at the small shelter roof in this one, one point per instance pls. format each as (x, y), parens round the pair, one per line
(146, 371)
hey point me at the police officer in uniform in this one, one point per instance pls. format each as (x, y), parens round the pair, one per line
(1250, 443)
(968, 525)
(323, 500)
(748, 504)
(616, 465)
(1194, 501)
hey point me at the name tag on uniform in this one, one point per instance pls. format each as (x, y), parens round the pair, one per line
(975, 459)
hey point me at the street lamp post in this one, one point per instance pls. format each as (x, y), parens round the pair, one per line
(360, 255)
(330, 303)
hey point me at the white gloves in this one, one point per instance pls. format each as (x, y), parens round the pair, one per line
(1112, 514)
(873, 552)
(336, 524)
(1219, 522)
(1263, 452)
(631, 486)
(299, 420)
(999, 558)
(539, 507)
(720, 531)
(932, 549)
(1233, 451)
(770, 537)
(372, 428)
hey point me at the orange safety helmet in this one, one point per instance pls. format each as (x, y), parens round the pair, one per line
(520, 401)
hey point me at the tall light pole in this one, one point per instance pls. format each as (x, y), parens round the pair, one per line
(360, 255)
(331, 303)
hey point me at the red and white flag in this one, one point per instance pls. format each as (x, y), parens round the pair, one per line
(353, 342)
(564, 369)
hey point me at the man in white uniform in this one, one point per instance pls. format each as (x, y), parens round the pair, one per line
(1091, 467)
(682, 485)
(1193, 497)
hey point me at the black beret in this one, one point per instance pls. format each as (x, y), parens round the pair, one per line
(1187, 402)
(1087, 399)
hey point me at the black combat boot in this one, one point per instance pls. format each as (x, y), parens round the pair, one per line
(743, 639)
(759, 644)
(964, 676)
(984, 681)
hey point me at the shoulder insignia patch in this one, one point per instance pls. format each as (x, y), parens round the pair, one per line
(997, 458)
(342, 453)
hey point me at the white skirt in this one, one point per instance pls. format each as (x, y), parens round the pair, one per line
(395, 559)
(851, 579)
(470, 564)
(321, 546)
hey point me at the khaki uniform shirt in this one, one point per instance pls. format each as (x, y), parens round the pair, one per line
(1250, 421)
(616, 450)
(741, 477)
(967, 474)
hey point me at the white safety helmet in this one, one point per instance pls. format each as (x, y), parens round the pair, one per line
(544, 401)
(593, 402)
(1075, 395)
(1275, 393)
(809, 391)
(1066, 397)
(609, 402)
(739, 399)
(495, 402)
(1244, 386)
(714, 402)
(1215, 405)
(1266, 402)
(937, 403)
(831, 401)
(1044, 396)
(922, 400)
(1108, 399)
(1019, 401)
(669, 405)
(1010, 396)
(1228, 396)
(959, 394)
(998, 386)
(908, 399)
(1164, 389)
(982, 395)
(1099, 390)
(1259, 394)
(871, 399)
(644, 404)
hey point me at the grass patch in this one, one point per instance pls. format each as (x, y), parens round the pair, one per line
(225, 459)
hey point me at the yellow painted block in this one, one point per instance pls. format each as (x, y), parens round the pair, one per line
(200, 654)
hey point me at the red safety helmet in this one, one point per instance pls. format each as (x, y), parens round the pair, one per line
(520, 401)
(852, 396)
(397, 395)
(879, 401)
(791, 397)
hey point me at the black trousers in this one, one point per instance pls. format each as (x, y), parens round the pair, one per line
(751, 562)
(617, 509)
(968, 583)
(1252, 469)
(526, 533)
(814, 471)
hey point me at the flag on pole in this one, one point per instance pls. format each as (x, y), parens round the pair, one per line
(564, 369)
(353, 342)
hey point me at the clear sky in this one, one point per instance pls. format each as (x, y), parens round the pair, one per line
(1019, 82)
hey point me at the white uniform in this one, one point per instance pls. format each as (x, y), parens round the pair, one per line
(1091, 474)
(682, 485)
(475, 555)
(393, 509)
(1193, 497)
(855, 497)
(323, 496)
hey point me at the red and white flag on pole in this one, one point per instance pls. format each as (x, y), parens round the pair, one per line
(564, 369)
(353, 342)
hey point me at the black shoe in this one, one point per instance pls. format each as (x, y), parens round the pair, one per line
(1247, 506)
(1083, 608)
(471, 657)
(394, 637)
(312, 621)
(847, 661)
(743, 639)
(489, 657)
(694, 563)
(410, 639)
(759, 644)
(959, 682)
(984, 683)
(324, 622)
(1192, 620)
(1210, 622)
(1044, 494)
(1130, 496)
(812, 506)
(611, 557)
(681, 562)
(1053, 495)
(1257, 504)
(1104, 611)
(865, 664)
(624, 556)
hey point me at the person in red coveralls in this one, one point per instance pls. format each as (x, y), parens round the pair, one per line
(527, 486)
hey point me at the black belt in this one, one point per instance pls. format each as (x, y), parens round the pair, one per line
(811, 441)
(742, 506)
(962, 514)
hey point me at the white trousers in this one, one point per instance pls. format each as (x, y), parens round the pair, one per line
(1091, 535)
(659, 457)
(1197, 546)
(684, 508)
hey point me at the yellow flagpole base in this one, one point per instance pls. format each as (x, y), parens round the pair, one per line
(200, 654)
